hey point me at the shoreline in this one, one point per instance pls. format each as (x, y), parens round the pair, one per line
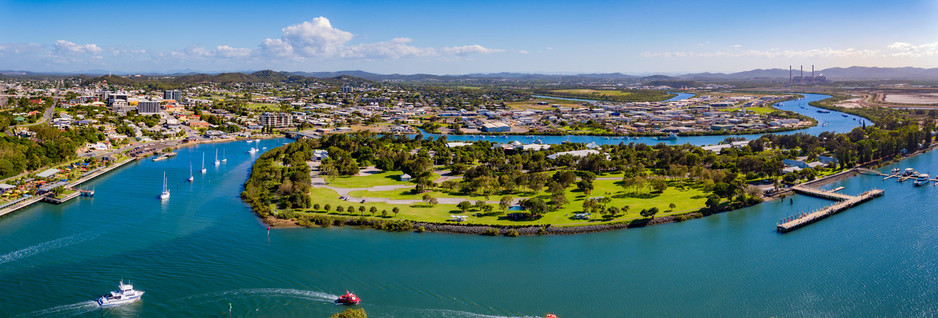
(548, 229)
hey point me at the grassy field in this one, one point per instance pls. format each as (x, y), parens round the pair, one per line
(533, 104)
(585, 131)
(757, 110)
(263, 106)
(371, 180)
(686, 200)
(593, 92)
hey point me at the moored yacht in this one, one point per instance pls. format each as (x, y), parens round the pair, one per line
(124, 295)
(165, 194)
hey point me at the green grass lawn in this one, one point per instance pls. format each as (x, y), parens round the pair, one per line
(757, 110)
(688, 200)
(377, 179)
(263, 106)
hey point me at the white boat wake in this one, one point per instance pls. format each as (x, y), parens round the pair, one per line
(65, 310)
(45, 246)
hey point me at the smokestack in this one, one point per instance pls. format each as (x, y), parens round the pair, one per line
(789, 74)
(812, 73)
(801, 77)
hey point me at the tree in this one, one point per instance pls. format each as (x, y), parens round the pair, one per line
(374, 210)
(350, 209)
(429, 199)
(649, 212)
(464, 206)
(327, 207)
(396, 210)
(339, 209)
(505, 202)
(316, 207)
(534, 206)
(658, 184)
(672, 206)
(585, 186)
(712, 201)
(351, 313)
(361, 209)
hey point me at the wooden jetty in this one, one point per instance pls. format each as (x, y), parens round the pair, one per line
(844, 202)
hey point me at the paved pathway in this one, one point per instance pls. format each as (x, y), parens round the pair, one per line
(344, 194)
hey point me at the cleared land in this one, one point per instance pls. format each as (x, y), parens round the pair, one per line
(550, 102)
(757, 110)
(923, 99)
(592, 92)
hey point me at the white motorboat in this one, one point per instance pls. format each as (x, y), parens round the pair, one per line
(124, 295)
(165, 194)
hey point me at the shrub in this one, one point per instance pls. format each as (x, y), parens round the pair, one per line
(512, 233)
(490, 232)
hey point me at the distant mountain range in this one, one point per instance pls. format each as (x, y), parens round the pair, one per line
(833, 74)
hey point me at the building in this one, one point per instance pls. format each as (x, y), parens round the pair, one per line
(119, 103)
(269, 119)
(405, 177)
(575, 153)
(496, 127)
(47, 173)
(148, 107)
(175, 95)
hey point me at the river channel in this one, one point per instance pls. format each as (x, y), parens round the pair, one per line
(833, 121)
(204, 249)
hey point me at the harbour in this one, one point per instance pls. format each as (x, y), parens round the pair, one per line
(205, 232)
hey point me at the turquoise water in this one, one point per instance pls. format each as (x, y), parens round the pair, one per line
(835, 122)
(204, 249)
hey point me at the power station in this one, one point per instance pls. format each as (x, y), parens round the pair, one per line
(801, 79)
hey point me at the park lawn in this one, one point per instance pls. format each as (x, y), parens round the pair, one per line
(371, 180)
(757, 110)
(262, 106)
(589, 130)
(593, 92)
(532, 104)
(688, 200)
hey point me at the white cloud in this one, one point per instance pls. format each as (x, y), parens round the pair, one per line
(468, 49)
(523, 52)
(198, 51)
(231, 52)
(737, 45)
(276, 47)
(316, 38)
(19, 48)
(396, 48)
(903, 49)
(64, 48)
(127, 52)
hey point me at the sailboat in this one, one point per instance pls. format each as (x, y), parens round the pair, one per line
(191, 178)
(203, 163)
(216, 158)
(165, 194)
(224, 155)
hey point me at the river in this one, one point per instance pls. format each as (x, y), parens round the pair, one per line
(204, 249)
(833, 121)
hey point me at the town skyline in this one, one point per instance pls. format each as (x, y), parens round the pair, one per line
(441, 39)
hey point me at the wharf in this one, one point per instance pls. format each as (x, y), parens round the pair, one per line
(845, 202)
(52, 199)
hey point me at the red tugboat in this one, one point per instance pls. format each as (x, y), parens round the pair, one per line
(348, 299)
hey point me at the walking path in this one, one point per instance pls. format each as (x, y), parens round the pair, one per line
(344, 195)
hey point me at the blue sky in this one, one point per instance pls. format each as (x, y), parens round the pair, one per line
(466, 36)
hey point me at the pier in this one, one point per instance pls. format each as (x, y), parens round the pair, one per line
(844, 202)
